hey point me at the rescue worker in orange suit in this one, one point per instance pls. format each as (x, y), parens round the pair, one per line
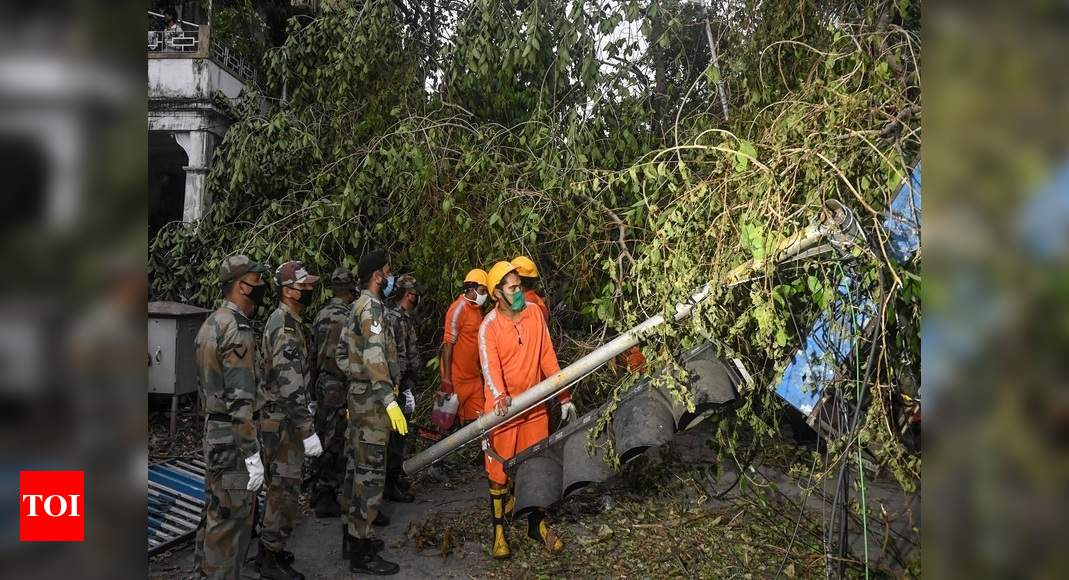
(529, 276)
(528, 272)
(515, 353)
(460, 348)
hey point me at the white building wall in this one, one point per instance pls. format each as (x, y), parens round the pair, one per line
(190, 79)
(179, 92)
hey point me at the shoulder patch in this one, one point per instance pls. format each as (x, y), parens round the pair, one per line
(376, 327)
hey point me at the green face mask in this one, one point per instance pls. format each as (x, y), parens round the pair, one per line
(518, 301)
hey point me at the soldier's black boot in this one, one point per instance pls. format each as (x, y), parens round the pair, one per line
(347, 542)
(364, 559)
(285, 556)
(326, 506)
(381, 520)
(395, 493)
(272, 567)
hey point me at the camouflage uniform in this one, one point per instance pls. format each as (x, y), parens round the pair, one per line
(331, 389)
(226, 357)
(364, 349)
(285, 422)
(403, 326)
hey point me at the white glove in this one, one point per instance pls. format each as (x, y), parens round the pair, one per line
(567, 412)
(312, 446)
(410, 401)
(312, 408)
(256, 472)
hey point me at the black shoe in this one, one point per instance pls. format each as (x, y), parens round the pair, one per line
(273, 568)
(364, 559)
(395, 494)
(327, 507)
(347, 542)
(381, 520)
(286, 557)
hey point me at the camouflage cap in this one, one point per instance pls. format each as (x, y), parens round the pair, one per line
(408, 282)
(293, 272)
(234, 267)
(342, 277)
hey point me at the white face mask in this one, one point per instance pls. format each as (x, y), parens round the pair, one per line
(480, 299)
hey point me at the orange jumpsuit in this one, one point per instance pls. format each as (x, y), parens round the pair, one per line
(462, 321)
(633, 360)
(515, 355)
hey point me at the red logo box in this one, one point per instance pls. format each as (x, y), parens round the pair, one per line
(51, 506)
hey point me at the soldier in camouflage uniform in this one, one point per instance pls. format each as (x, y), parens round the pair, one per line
(226, 357)
(373, 411)
(285, 423)
(331, 389)
(403, 326)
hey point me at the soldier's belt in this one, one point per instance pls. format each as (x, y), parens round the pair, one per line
(268, 424)
(219, 417)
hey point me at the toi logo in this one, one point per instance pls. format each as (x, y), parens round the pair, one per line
(51, 506)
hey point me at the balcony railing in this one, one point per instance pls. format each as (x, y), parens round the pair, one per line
(229, 60)
(198, 44)
(173, 41)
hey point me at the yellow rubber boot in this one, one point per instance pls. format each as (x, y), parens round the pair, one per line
(510, 506)
(538, 530)
(497, 504)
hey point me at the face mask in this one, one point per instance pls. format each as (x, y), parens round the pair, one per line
(518, 302)
(257, 294)
(306, 297)
(388, 290)
(480, 299)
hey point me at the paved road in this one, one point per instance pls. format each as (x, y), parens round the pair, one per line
(316, 543)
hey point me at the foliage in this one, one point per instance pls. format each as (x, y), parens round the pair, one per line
(590, 137)
(240, 26)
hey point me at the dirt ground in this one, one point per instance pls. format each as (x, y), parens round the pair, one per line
(665, 515)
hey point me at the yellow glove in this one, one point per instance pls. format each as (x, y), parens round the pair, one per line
(397, 418)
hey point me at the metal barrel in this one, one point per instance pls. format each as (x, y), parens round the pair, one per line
(582, 466)
(539, 482)
(642, 422)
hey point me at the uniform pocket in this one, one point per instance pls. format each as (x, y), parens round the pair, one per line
(295, 357)
(235, 480)
(218, 433)
(235, 491)
(290, 470)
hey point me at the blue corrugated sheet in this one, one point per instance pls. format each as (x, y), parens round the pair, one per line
(175, 501)
(832, 338)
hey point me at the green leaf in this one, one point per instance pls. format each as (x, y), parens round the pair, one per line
(712, 73)
(753, 239)
(744, 153)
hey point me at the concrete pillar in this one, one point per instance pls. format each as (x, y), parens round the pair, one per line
(198, 146)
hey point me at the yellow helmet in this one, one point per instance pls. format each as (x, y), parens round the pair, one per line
(497, 273)
(525, 267)
(477, 276)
